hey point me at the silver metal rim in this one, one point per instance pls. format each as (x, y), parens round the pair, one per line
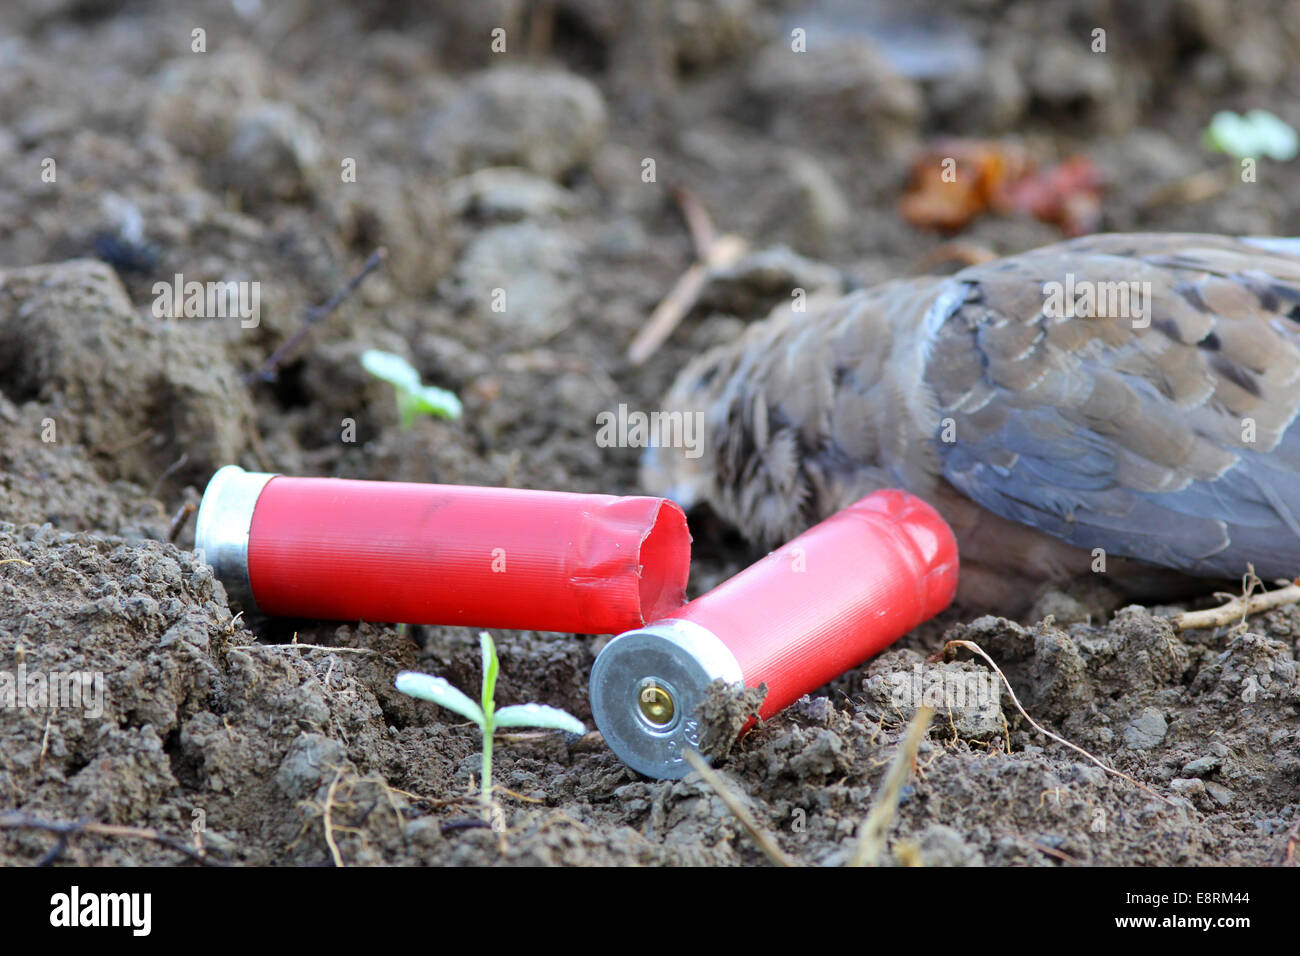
(678, 655)
(222, 528)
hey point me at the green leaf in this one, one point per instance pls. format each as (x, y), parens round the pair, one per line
(490, 668)
(437, 690)
(391, 368)
(1275, 137)
(538, 715)
(432, 400)
(413, 397)
(1258, 133)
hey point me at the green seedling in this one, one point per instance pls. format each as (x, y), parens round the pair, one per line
(1258, 133)
(487, 716)
(413, 396)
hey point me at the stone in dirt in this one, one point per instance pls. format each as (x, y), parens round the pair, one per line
(137, 391)
(723, 713)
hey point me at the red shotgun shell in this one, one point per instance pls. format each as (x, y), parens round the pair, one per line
(823, 603)
(337, 549)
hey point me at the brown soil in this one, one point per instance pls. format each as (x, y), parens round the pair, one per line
(230, 162)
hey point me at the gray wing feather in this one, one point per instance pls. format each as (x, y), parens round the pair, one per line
(1158, 474)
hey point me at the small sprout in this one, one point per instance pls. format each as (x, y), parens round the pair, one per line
(1258, 133)
(485, 713)
(413, 397)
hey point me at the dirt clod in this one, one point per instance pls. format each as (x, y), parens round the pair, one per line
(525, 171)
(724, 711)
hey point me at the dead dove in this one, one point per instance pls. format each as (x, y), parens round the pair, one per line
(1109, 398)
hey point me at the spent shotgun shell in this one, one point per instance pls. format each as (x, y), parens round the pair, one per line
(821, 604)
(338, 549)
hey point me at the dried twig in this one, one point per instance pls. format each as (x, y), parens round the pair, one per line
(975, 648)
(313, 315)
(497, 788)
(711, 252)
(871, 839)
(67, 829)
(122, 446)
(328, 822)
(1041, 848)
(180, 520)
(174, 467)
(698, 222)
(295, 646)
(1236, 610)
(364, 651)
(766, 842)
(541, 30)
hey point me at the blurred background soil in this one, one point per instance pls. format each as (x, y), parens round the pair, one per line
(523, 170)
